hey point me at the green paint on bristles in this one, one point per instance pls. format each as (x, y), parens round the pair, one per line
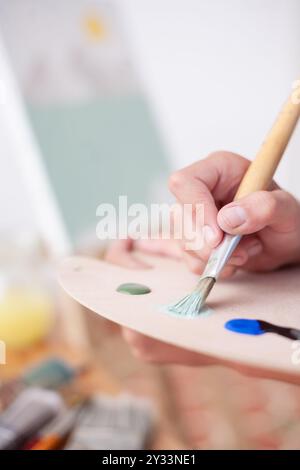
(205, 311)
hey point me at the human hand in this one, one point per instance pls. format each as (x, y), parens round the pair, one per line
(268, 220)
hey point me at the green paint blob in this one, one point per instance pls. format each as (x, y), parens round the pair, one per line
(131, 288)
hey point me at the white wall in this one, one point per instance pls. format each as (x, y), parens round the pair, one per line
(217, 72)
(15, 208)
(28, 202)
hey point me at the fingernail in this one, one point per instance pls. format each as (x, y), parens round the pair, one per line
(233, 216)
(255, 249)
(210, 236)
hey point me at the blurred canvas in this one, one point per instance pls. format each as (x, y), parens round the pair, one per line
(91, 120)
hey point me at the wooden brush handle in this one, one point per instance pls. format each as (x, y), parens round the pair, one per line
(260, 172)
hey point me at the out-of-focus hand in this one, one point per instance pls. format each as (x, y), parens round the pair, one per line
(268, 220)
(125, 253)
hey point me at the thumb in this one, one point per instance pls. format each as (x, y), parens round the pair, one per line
(275, 209)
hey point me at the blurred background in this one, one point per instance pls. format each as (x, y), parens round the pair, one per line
(105, 98)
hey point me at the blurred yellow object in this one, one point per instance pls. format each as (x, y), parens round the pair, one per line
(94, 27)
(26, 317)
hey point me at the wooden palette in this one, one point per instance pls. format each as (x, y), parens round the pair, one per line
(273, 297)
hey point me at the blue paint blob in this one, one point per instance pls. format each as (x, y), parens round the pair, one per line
(259, 327)
(245, 326)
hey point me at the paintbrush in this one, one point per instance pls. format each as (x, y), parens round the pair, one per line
(249, 326)
(258, 177)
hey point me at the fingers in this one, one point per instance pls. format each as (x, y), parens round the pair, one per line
(170, 248)
(154, 351)
(248, 249)
(189, 190)
(194, 263)
(206, 181)
(120, 253)
(276, 209)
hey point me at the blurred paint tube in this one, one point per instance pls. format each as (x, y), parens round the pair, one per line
(32, 409)
(51, 373)
(113, 423)
(54, 435)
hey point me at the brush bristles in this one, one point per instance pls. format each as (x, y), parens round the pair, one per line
(190, 305)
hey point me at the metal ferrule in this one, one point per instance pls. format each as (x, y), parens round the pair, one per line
(220, 256)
